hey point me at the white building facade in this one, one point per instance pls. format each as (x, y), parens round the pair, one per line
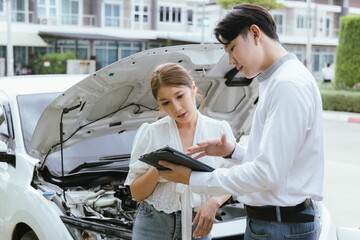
(108, 30)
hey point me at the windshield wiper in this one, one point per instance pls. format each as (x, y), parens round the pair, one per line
(119, 157)
(92, 164)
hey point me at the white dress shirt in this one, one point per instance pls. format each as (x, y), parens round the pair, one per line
(284, 162)
(168, 196)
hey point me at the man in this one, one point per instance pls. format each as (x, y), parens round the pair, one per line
(281, 171)
(328, 73)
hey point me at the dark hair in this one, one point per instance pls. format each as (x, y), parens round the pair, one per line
(239, 19)
(172, 74)
(169, 74)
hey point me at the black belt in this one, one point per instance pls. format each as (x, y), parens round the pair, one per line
(287, 214)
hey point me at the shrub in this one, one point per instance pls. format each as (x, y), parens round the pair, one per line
(337, 100)
(347, 70)
(57, 63)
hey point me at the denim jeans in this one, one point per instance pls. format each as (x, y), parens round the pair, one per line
(151, 224)
(259, 229)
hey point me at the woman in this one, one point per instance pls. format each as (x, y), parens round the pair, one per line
(159, 215)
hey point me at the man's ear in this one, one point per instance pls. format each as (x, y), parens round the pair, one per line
(255, 32)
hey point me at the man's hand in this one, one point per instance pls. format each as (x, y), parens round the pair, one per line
(214, 147)
(204, 219)
(177, 173)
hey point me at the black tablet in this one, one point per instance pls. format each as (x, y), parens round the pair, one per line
(171, 155)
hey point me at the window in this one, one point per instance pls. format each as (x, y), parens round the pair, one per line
(141, 13)
(20, 56)
(112, 15)
(321, 24)
(2, 6)
(156, 45)
(322, 56)
(190, 16)
(279, 23)
(78, 47)
(301, 21)
(46, 8)
(105, 52)
(206, 22)
(18, 10)
(297, 50)
(328, 27)
(83, 49)
(170, 14)
(4, 131)
(70, 12)
(127, 49)
(2, 51)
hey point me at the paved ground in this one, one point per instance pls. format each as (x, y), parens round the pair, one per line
(342, 167)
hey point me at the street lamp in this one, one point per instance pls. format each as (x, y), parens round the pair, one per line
(9, 46)
(203, 22)
(308, 39)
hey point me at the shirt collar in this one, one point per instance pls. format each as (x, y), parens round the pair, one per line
(275, 66)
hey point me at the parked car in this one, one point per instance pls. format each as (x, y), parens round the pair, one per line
(65, 144)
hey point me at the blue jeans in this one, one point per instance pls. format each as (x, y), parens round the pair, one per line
(259, 229)
(151, 224)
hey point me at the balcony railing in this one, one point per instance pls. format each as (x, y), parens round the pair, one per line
(89, 20)
(22, 16)
(290, 31)
(70, 19)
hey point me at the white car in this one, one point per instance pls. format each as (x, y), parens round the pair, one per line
(65, 144)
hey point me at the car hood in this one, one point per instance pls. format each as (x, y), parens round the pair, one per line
(118, 98)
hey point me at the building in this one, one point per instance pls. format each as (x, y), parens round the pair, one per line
(320, 37)
(108, 30)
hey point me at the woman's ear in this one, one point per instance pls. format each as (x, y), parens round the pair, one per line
(193, 87)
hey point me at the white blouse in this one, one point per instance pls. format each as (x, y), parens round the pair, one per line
(166, 195)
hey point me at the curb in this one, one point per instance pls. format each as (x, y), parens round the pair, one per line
(354, 120)
(342, 116)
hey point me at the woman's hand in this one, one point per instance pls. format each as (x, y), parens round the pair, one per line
(214, 147)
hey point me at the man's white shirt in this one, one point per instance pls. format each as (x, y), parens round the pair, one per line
(284, 161)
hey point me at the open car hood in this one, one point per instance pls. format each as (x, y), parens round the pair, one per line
(118, 98)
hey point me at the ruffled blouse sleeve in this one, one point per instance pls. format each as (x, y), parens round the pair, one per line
(141, 145)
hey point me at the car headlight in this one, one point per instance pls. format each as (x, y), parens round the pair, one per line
(87, 230)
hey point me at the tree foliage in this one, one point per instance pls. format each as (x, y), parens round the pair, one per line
(347, 69)
(268, 4)
(51, 63)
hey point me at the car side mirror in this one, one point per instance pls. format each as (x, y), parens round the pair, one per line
(5, 156)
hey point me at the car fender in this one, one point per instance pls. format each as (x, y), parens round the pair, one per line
(24, 204)
(39, 214)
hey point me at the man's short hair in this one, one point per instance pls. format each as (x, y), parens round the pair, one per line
(239, 19)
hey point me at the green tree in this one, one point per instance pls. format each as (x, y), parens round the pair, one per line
(51, 63)
(268, 4)
(347, 69)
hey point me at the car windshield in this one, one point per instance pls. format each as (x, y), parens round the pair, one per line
(90, 150)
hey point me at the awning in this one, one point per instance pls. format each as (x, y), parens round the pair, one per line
(92, 36)
(23, 40)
